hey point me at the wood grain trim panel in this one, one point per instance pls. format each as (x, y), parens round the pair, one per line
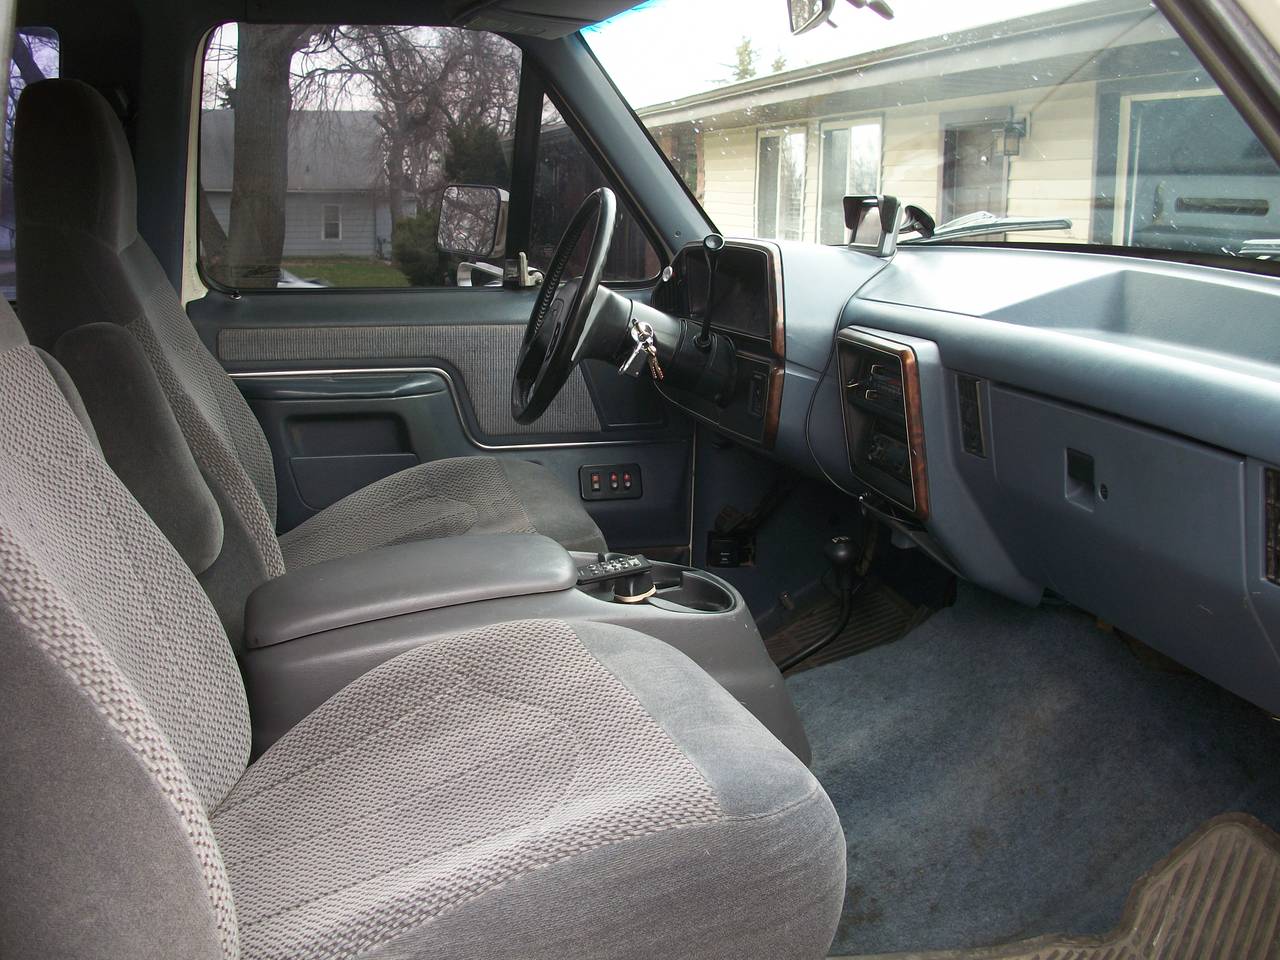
(915, 430)
(913, 413)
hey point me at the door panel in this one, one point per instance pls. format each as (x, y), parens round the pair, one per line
(350, 387)
(483, 356)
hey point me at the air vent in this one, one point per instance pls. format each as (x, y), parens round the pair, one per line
(969, 397)
(1271, 513)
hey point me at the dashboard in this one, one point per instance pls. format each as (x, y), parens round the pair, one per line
(1103, 428)
(748, 311)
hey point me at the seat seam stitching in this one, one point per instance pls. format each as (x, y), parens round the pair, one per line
(408, 863)
(414, 793)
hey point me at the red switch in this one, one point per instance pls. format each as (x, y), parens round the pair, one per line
(595, 483)
(626, 481)
(613, 481)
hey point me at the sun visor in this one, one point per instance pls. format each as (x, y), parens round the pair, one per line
(549, 19)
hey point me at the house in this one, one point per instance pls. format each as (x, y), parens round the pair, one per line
(1121, 131)
(336, 204)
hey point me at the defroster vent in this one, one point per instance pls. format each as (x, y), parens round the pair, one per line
(969, 397)
(1271, 515)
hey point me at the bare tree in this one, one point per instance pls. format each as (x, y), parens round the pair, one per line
(260, 174)
(424, 83)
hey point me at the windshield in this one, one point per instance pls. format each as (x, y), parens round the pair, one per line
(1088, 123)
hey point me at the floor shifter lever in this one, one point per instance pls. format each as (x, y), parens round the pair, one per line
(712, 244)
(840, 554)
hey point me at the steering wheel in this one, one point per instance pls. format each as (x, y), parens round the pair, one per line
(562, 312)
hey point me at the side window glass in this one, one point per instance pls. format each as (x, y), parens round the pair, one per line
(35, 58)
(566, 174)
(325, 150)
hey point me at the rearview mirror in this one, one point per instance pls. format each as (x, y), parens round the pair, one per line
(473, 221)
(807, 14)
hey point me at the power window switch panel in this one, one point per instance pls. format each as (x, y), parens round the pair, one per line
(610, 481)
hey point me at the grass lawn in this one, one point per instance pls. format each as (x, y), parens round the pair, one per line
(347, 271)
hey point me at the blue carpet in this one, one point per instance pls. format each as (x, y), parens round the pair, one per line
(1003, 772)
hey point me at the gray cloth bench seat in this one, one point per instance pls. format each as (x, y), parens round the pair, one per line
(86, 275)
(535, 789)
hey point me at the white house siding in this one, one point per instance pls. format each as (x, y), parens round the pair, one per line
(304, 219)
(1052, 176)
(729, 158)
(912, 164)
(304, 213)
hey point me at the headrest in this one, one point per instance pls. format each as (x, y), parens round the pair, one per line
(72, 168)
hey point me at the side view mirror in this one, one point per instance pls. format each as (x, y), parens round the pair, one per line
(473, 221)
(807, 14)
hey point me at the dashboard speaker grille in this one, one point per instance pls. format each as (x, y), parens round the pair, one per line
(665, 297)
(1271, 513)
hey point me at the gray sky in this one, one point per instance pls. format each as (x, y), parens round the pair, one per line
(667, 49)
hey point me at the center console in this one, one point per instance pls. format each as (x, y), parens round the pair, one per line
(312, 631)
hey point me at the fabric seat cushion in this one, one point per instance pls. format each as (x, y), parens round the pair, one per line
(532, 789)
(125, 717)
(444, 498)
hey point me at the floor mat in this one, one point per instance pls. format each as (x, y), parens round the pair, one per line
(880, 615)
(1216, 895)
(1004, 772)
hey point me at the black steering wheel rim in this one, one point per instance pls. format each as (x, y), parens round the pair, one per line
(560, 315)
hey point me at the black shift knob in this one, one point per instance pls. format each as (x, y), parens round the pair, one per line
(841, 555)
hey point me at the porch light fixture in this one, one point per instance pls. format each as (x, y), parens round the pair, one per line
(1009, 137)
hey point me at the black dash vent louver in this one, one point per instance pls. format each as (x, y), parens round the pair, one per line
(1271, 521)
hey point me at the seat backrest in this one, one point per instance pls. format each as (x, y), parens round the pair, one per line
(124, 720)
(83, 262)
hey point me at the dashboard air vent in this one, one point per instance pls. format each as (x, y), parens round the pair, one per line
(969, 397)
(1271, 514)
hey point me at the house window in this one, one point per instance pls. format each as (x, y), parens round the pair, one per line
(851, 156)
(332, 226)
(780, 156)
(1191, 175)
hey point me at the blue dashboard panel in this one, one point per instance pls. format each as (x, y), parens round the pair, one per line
(1127, 410)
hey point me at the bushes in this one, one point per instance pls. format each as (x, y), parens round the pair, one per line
(413, 249)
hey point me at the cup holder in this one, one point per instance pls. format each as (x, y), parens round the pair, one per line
(682, 589)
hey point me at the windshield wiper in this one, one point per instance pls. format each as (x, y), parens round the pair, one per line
(977, 224)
